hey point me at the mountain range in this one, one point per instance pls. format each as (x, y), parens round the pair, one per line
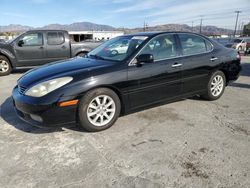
(88, 26)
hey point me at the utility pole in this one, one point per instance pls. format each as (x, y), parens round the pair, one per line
(201, 24)
(241, 28)
(236, 22)
(145, 26)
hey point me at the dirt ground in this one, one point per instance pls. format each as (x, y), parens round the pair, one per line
(190, 143)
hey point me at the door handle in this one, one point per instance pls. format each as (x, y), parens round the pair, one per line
(63, 47)
(176, 65)
(41, 47)
(213, 58)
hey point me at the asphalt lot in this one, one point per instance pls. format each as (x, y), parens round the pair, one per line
(190, 143)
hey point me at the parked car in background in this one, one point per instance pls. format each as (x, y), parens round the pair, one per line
(155, 68)
(38, 47)
(227, 42)
(119, 48)
(241, 44)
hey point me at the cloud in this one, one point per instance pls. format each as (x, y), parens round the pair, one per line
(214, 12)
(12, 14)
(40, 1)
(122, 1)
(140, 6)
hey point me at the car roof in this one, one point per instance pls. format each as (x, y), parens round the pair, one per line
(45, 30)
(154, 33)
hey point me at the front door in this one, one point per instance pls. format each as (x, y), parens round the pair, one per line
(150, 83)
(30, 49)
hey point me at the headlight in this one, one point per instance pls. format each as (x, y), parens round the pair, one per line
(46, 87)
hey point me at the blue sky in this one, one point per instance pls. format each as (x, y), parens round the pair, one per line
(123, 13)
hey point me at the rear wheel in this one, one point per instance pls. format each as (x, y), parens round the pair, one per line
(5, 66)
(216, 86)
(99, 109)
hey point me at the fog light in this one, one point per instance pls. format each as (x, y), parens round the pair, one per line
(36, 118)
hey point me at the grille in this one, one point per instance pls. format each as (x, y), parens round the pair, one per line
(21, 89)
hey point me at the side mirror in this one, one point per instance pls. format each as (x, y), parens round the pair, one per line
(145, 58)
(20, 43)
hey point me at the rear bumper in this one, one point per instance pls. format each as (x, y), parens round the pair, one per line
(42, 115)
(234, 71)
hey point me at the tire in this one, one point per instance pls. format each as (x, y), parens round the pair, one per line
(93, 117)
(81, 54)
(214, 89)
(5, 66)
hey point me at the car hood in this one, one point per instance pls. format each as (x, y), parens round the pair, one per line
(57, 69)
(3, 44)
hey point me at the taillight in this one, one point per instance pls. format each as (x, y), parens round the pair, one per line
(238, 56)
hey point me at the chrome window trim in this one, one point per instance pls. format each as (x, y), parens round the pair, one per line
(178, 56)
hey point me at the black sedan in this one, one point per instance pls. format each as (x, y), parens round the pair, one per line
(144, 70)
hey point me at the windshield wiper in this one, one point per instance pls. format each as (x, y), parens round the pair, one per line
(96, 57)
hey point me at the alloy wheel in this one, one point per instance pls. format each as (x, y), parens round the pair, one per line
(217, 85)
(101, 110)
(4, 66)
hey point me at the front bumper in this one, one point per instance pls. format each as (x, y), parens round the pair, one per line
(42, 114)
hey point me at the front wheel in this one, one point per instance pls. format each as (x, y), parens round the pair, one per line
(5, 66)
(216, 86)
(81, 54)
(99, 109)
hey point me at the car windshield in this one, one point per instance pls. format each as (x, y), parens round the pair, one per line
(117, 49)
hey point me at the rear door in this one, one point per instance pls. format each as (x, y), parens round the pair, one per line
(161, 80)
(30, 49)
(57, 46)
(197, 62)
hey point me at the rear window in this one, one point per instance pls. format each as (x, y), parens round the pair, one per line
(193, 44)
(55, 38)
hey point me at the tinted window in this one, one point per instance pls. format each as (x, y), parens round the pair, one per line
(33, 39)
(55, 38)
(192, 44)
(162, 47)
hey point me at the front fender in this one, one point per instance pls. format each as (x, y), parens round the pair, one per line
(9, 55)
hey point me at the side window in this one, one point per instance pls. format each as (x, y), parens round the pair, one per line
(33, 39)
(192, 44)
(55, 38)
(162, 47)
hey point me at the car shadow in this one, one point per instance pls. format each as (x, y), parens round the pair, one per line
(9, 115)
(245, 69)
(241, 85)
(244, 72)
(21, 70)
